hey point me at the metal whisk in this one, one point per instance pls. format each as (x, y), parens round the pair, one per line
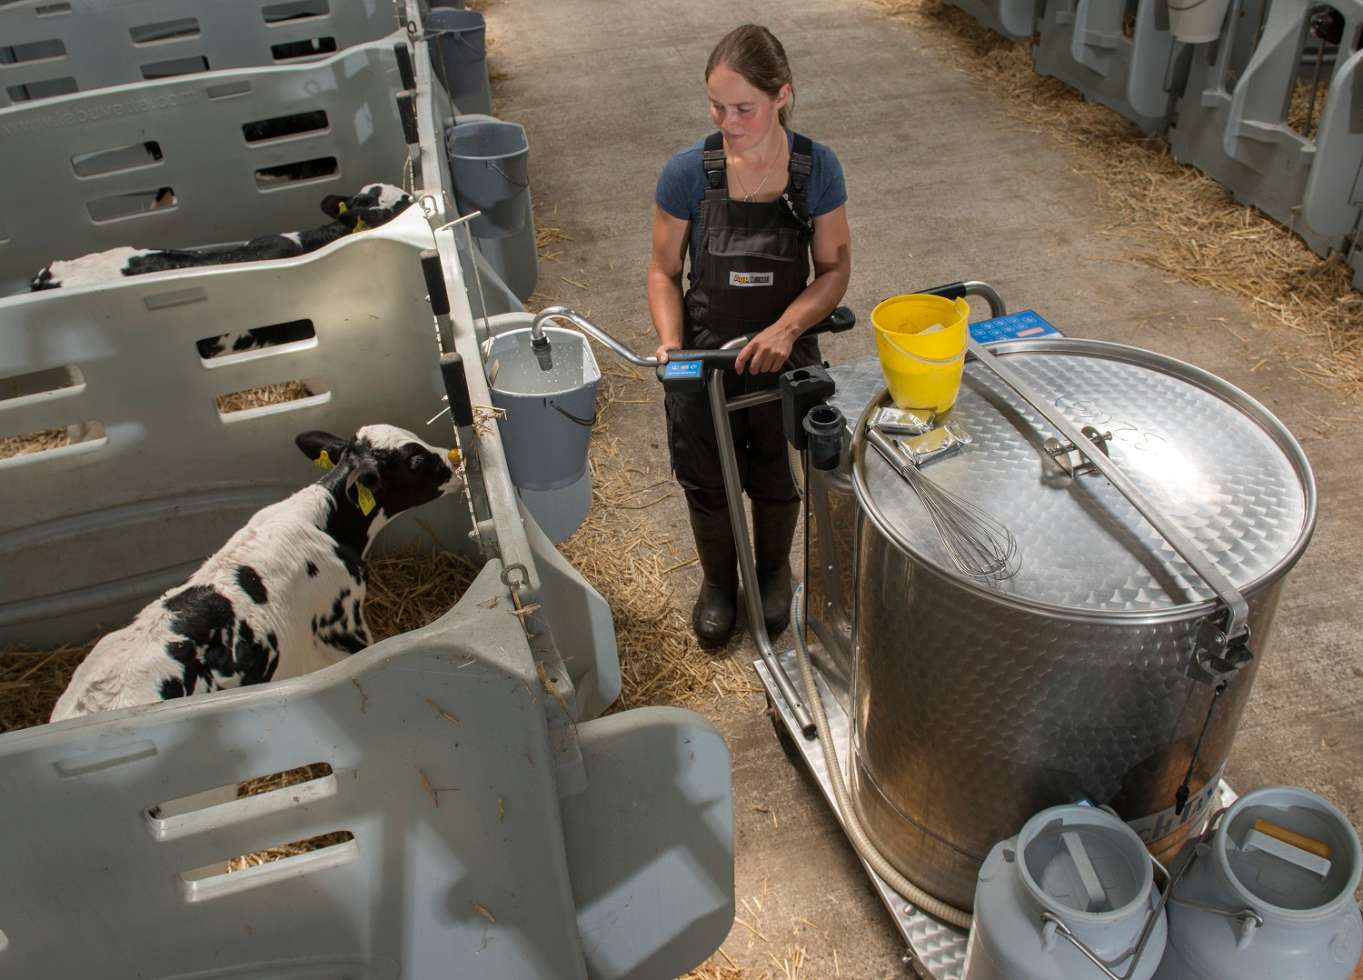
(977, 544)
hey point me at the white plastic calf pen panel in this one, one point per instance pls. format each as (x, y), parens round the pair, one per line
(458, 848)
(463, 860)
(54, 48)
(93, 530)
(83, 173)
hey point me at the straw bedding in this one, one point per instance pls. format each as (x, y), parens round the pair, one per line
(406, 591)
(1301, 106)
(1177, 219)
(620, 551)
(36, 443)
(275, 394)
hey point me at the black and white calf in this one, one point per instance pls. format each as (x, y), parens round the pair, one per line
(284, 596)
(374, 205)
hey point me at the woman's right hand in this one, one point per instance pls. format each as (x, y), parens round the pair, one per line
(661, 352)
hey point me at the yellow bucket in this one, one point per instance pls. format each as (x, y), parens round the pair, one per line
(922, 369)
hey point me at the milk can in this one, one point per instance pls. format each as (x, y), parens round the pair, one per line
(1074, 889)
(1270, 896)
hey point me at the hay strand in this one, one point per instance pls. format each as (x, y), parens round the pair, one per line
(36, 442)
(33, 681)
(256, 858)
(262, 395)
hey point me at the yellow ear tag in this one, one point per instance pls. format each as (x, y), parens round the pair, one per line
(340, 208)
(324, 461)
(365, 498)
(359, 226)
(454, 456)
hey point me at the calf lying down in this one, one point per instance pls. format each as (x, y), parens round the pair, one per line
(374, 205)
(284, 596)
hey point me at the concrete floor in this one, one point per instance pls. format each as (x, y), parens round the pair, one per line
(943, 185)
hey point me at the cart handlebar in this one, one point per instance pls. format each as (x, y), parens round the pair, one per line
(840, 320)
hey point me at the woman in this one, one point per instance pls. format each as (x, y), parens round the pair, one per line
(751, 206)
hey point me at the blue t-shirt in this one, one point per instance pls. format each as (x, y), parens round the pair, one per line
(681, 186)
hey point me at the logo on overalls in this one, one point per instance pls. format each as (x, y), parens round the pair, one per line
(751, 278)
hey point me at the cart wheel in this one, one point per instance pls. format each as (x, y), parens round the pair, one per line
(783, 735)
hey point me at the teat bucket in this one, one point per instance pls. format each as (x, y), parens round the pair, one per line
(460, 56)
(1197, 21)
(490, 166)
(547, 427)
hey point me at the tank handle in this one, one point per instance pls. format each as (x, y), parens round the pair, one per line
(1219, 651)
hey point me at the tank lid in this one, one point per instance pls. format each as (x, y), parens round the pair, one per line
(1216, 461)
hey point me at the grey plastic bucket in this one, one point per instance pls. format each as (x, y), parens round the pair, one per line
(460, 56)
(1074, 867)
(1256, 904)
(549, 414)
(490, 168)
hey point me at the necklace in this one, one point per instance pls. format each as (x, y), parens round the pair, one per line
(747, 198)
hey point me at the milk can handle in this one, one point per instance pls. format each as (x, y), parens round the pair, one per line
(1231, 642)
(1051, 924)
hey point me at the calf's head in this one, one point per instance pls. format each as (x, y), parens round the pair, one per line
(379, 473)
(374, 205)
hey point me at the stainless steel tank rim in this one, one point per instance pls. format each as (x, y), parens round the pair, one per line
(1252, 409)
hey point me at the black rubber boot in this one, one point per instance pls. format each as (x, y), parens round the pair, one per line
(773, 530)
(715, 614)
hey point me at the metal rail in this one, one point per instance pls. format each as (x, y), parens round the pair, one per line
(1237, 625)
(720, 408)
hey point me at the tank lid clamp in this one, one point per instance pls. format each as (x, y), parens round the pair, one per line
(1217, 655)
(1070, 458)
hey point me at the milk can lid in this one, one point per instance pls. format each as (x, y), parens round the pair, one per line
(1214, 460)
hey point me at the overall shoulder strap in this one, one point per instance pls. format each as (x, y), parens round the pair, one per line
(713, 161)
(801, 166)
(716, 186)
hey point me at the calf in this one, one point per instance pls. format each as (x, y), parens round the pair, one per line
(374, 205)
(284, 596)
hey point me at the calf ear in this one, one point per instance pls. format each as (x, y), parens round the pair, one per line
(321, 447)
(333, 205)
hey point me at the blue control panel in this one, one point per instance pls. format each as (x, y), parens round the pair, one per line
(682, 370)
(1024, 325)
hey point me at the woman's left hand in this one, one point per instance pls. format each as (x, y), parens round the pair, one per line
(768, 351)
